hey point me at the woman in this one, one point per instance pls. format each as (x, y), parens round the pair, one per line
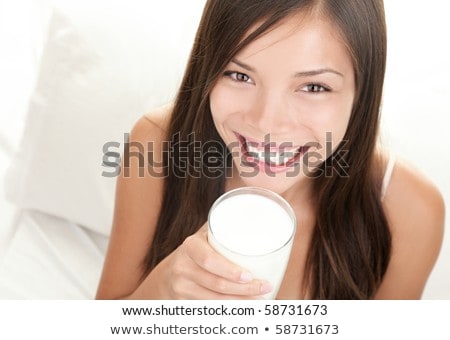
(306, 74)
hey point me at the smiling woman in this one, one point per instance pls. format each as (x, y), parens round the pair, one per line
(297, 86)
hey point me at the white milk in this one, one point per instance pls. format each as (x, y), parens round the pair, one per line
(255, 232)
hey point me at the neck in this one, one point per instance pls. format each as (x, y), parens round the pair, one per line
(300, 193)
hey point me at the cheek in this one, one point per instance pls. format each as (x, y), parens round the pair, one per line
(339, 132)
(225, 101)
(214, 101)
(328, 117)
(223, 106)
(341, 124)
(218, 105)
(329, 124)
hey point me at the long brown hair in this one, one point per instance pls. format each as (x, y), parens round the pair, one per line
(351, 242)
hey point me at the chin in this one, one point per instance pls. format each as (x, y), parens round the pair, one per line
(276, 182)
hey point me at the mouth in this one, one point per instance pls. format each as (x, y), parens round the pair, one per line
(273, 155)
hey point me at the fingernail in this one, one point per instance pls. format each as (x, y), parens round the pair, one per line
(246, 277)
(266, 287)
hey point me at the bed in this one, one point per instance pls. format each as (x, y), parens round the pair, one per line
(78, 75)
(79, 84)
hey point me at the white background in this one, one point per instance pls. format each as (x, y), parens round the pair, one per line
(416, 105)
(369, 320)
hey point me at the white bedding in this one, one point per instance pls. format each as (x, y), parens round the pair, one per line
(74, 83)
(50, 258)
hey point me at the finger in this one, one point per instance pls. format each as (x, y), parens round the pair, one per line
(190, 290)
(199, 250)
(217, 283)
(221, 285)
(186, 270)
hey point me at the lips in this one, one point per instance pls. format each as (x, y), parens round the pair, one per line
(276, 156)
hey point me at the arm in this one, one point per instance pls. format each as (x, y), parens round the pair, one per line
(416, 212)
(137, 202)
(193, 270)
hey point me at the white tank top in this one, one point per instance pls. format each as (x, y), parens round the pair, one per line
(387, 175)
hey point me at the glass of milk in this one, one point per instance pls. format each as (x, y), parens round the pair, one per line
(254, 228)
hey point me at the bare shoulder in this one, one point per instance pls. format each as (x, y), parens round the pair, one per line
(415, 211)
(138, 200)
(159, 116)
(411, 196)
(147, 137)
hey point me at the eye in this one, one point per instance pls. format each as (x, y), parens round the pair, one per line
(238, 76)
(315, 88)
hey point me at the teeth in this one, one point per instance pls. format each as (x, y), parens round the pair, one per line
(276, 157)
(255, 152)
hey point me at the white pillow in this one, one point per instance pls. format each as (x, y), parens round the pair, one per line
(104, 64)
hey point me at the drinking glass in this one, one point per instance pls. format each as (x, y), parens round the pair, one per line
(254, 228)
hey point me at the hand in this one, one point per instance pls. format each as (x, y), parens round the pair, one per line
(196, 271)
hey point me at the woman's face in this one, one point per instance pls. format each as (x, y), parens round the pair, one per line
(283, 104)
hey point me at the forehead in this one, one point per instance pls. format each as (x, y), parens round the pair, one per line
(300, 40)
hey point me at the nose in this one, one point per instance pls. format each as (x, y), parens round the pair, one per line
(270, 113)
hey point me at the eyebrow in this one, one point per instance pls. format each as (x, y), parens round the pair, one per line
(244, 66)
(297, 74)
